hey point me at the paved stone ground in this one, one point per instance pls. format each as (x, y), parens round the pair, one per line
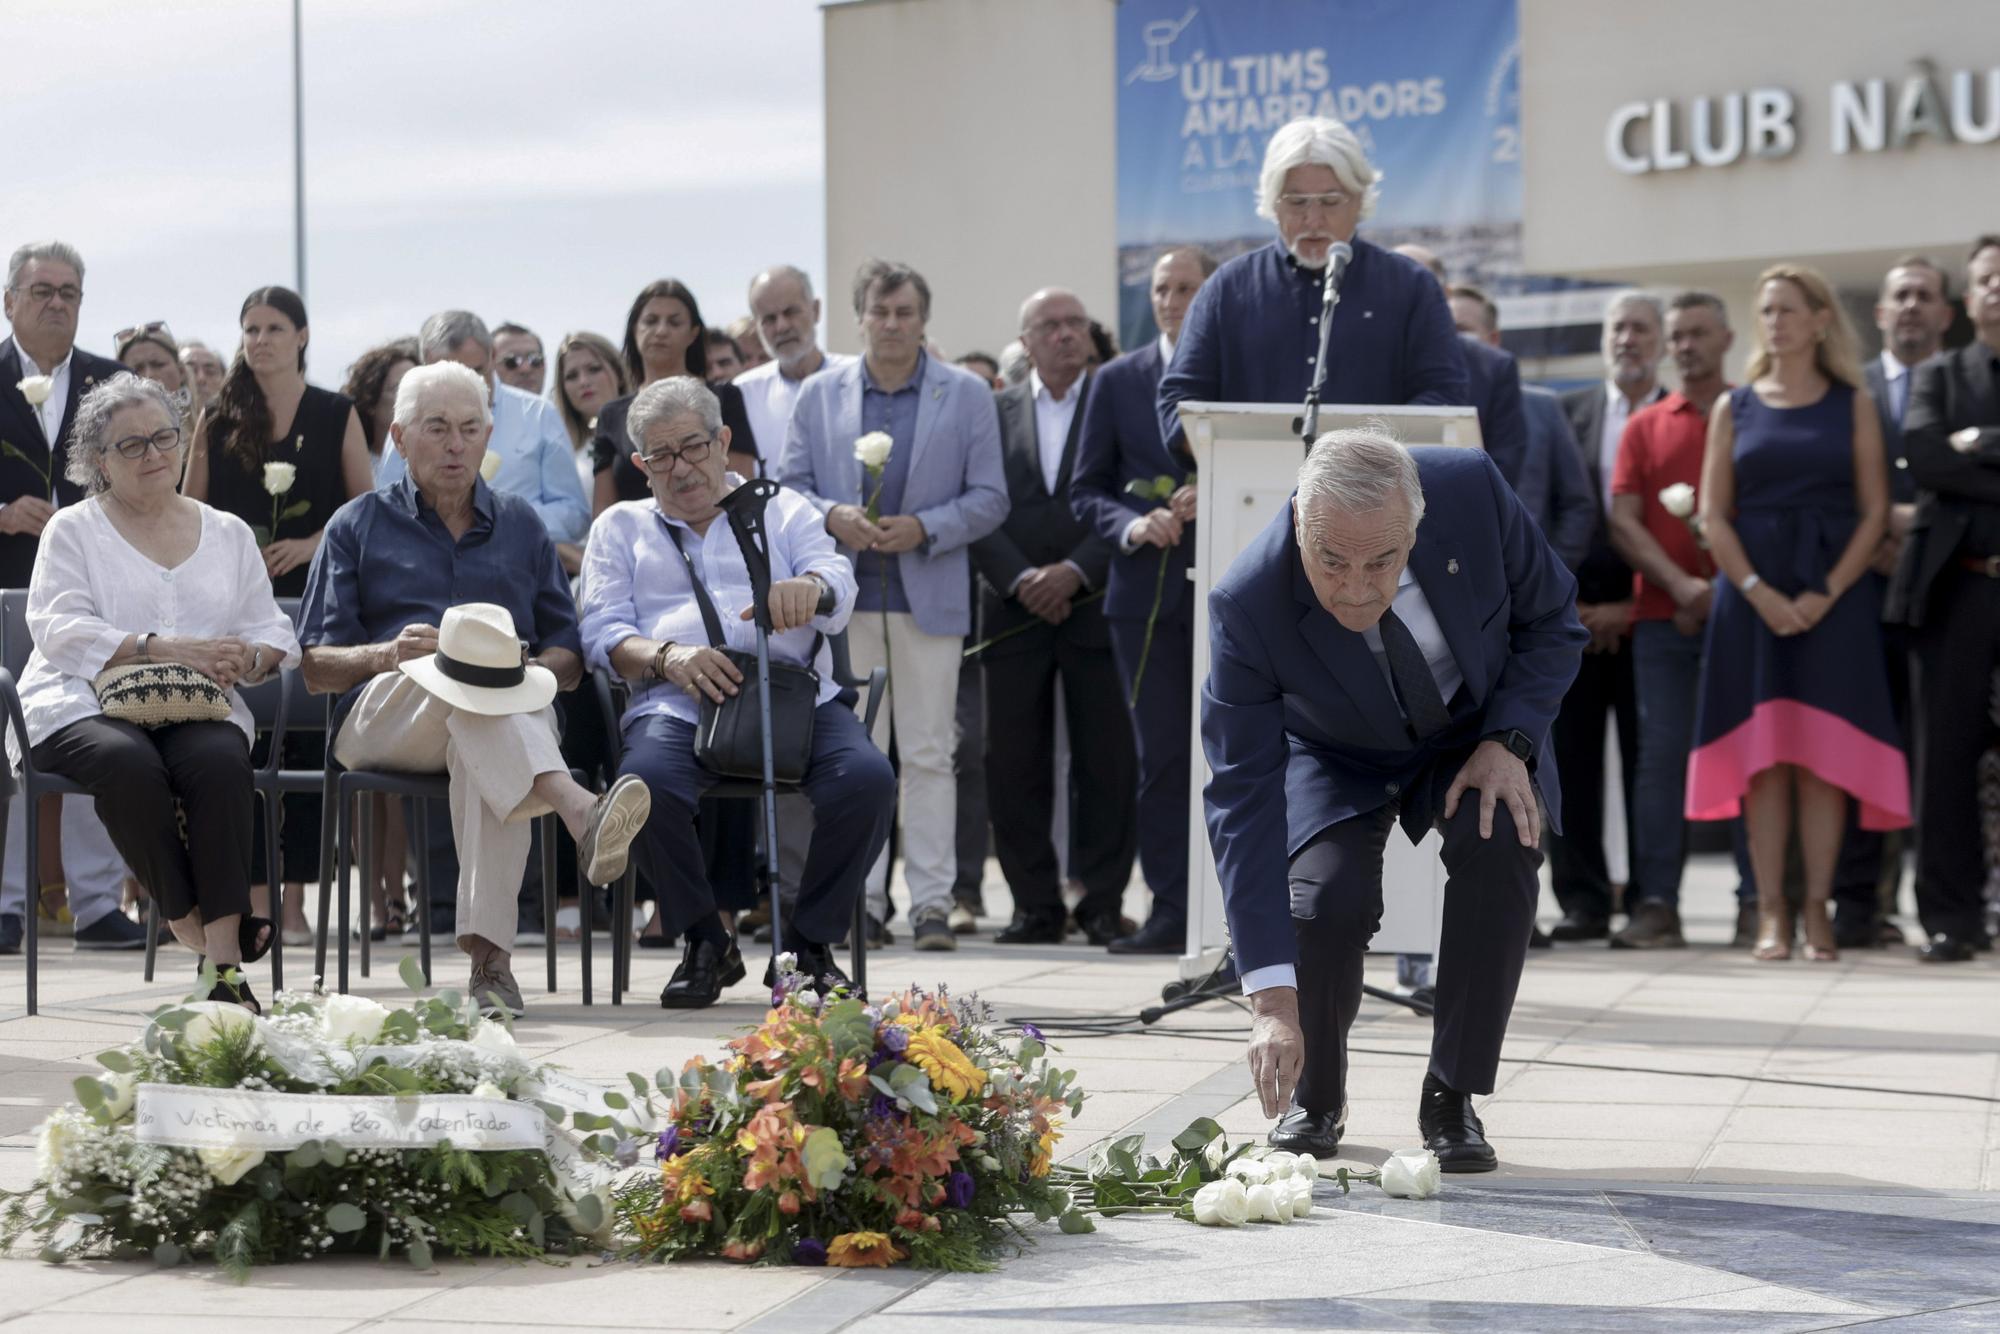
(1690, 1141)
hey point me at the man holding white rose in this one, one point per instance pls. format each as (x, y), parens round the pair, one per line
(905, 520)
(1653, 497)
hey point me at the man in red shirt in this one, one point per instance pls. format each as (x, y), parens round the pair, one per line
(1662, 447)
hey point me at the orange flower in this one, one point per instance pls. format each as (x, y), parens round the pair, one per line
(700, 1211)
(788, 1203)
(744, 1251)
(853, 1078)
(863, 1250)
(913, 1221)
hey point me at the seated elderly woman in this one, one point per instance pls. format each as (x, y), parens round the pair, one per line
(412, 612)
(136, 575)
(641, 619)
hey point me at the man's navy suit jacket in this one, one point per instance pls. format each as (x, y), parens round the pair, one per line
(1299, 723)
(1121, 444)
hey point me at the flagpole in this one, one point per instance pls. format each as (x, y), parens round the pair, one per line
(298, 154)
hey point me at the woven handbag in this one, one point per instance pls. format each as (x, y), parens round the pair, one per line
(159, 694)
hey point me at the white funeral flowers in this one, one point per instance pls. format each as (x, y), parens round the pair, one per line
(36, 389)
(1223, 1203)
(352, 1018)
(278, 478)
(1411, 1174)
(212, 1019)
(872, 449)
(1678, 500)
(228, 1166)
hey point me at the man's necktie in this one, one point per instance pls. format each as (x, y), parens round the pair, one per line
(1423, 705)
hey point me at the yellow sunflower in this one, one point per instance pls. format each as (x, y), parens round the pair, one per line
(951, 1071)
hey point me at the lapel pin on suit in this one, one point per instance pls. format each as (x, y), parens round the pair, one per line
(1451, 566)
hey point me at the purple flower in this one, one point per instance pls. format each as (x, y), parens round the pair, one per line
(1030, 1031)
(881, 1107)
(627, 1152)
(895, 1038)
(809, 1251)
(670, 1145)
(959, 1189)
(778, 995)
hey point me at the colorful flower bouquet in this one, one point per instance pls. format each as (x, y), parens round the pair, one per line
(331, 1124)
(842, 1133)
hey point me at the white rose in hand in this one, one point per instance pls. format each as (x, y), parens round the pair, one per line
(278, 478)
(36, 389)
(345, 1017)
(489, 467)
(872, 449)
(1411, 1174)
(228, 1166)
(1678, 500)
(1222, 1204)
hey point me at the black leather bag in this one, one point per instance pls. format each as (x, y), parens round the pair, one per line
(729, 737)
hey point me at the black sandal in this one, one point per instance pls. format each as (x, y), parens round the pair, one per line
(235, 993)
(248, 929)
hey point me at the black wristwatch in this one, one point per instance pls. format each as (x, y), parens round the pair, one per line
(1515, 740)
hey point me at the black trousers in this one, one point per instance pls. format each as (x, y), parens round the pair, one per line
(1489, 909)
(1869, 858)
(1160, 726)
(1577, 870)
(1957, 654)
(969, 765)
(1020, 762)
(137, 775)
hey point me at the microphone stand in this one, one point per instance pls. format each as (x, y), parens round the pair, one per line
(1307, 423)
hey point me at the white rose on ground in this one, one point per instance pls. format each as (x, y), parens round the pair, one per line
(489, 1089)
(119, 1093)
(489, 467)
(1678, 500)
(344, 1017)
(1301, 1196)
(872, 450)
(228, 1166)
(1251, 1171)
(1306, 1168)
(1281, 1166)
(1214, 1152)
(36, 389)
(1411, 1174)
(1266, 1206)
(278, 478)
(1222, 1204)
(489, 1036)
(52, 1142)
(212, 1019)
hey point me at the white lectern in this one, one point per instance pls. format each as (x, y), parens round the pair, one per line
(1247, 456)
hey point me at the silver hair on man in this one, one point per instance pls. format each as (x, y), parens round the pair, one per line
(422, 381)
(62, 252)
(664, 400)
(1359, 470)
(90, 436)
(1317, 141)
(1634, 297)
(445, 330)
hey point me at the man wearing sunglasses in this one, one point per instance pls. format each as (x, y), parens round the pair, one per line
(42, 375)
(518, 359)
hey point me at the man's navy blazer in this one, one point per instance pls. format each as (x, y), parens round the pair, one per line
(1494, 380)
(1299, 723)
(1120, 444)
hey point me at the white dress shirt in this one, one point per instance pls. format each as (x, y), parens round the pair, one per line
(1897, 376)
(92, 589)
(537, 462)
(635, 583)
(768, 396)
(1414, 611)
(1052, 422)
(51, 410)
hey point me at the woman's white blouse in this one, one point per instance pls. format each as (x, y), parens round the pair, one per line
(91, 589)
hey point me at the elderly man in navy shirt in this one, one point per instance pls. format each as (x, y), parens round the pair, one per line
(390, 565)
(1252, 335)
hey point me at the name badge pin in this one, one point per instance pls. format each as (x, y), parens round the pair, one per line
(1451, 566)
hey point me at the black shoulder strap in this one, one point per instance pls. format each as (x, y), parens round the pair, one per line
(710, 621)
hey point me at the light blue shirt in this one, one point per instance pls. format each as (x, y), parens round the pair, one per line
(537, 462)
(635, 583)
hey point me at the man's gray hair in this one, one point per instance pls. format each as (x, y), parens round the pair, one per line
(664, 400)
(1014, 363)
(1316, 141)
(1358, 471)
(1632, 296)
(60, 251)
(803, 278)
(445, 330)
(90, 434)
(420, 381)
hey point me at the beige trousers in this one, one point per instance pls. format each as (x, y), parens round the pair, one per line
(398, 726)
(923, 709)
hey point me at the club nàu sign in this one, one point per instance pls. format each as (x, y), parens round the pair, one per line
(1864, 116)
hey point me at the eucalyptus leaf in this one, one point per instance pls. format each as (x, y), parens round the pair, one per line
(344, 1217)
(420, 1252)
(89, 1092)
(412, 973)
(335, 1155)
(847, 1027)
(616, 1100)
(166, 1255)
(639, 1089)
(116, 1061)
(306, 1157)
(589, 1212)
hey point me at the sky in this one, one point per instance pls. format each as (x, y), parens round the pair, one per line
(526, 160)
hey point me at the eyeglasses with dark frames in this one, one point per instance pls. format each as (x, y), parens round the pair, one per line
(135, 446)
(694, 452)
(523, 361)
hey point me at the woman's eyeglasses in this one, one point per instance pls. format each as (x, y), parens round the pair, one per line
(135, 446)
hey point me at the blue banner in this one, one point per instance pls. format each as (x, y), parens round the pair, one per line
(1429, 86)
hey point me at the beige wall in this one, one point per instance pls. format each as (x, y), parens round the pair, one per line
(1718, 225)
(975, 140)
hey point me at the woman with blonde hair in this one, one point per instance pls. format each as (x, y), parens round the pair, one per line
(1794, 716)
(589, 374)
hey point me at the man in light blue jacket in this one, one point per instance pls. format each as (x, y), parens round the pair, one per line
(906, 526)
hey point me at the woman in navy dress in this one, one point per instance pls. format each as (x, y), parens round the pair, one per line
(1794, 717)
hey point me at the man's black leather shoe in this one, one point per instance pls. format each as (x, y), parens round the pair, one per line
(1942, 948)
(1102, 928)
(1316, 1133)
(816, 965)
(704, 971)
(1160, 935)
(1538, 939)
(1452, 1130)
(1856, 931)
(1576, 926)
(1032, 929)
(10, 933)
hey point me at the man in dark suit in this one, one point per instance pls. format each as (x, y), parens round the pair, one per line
(1395, 642)
(43, 375)
(1035, 569)
(1947, 589)
(1912, 311)
(1634, 340)
(1121, 445)
(1493, 380)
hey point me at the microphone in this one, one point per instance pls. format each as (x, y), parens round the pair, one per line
(1338, 256)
